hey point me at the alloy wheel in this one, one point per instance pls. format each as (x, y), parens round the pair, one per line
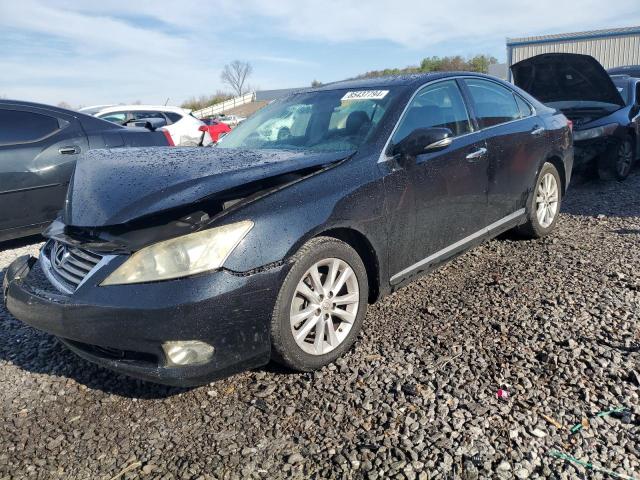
(324, 306)
(625, 159)
(547, 200)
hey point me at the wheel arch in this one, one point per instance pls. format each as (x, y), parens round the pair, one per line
(363, 247)
(557, 162)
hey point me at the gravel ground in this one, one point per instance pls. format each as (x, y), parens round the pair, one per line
(554, 322)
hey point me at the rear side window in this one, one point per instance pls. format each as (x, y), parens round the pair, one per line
(437, 105)
(173, 116)
(146, 114)
(494, 104)
(17, 126)
(525, 108)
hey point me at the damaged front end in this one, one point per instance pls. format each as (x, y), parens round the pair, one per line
(150, 295)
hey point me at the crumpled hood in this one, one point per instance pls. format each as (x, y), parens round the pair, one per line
(111, 187)
(563, 77)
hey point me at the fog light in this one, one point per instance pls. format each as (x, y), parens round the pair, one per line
(187, 352)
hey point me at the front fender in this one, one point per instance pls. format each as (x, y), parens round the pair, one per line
(347, 196)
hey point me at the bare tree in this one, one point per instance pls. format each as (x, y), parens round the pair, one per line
(235, 75)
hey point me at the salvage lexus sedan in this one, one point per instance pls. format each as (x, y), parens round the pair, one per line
(183, 265)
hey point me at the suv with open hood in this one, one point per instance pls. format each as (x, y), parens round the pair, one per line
(605, 126)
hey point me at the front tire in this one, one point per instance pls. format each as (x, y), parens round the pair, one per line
(321, 305)
(544, 204)
(617, 163)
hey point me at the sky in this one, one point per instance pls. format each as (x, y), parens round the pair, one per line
(121, 51)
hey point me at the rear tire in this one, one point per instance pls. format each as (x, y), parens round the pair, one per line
(321, 305)
(543, 205)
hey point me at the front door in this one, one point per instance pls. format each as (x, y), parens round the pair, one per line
(444, 197)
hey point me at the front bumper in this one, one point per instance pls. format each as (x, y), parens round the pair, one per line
(601, 150)
(123, 327)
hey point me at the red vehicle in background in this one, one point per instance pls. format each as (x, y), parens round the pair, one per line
(215, 128)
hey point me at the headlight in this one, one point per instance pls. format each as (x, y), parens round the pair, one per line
(179, 257)
(594, 132)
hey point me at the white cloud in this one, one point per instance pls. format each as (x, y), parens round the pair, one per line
(419, 24)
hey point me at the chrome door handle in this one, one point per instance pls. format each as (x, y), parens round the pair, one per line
(481, 152)
(537, 131)
(68, 150)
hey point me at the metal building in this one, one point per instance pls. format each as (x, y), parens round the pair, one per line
(612, 48)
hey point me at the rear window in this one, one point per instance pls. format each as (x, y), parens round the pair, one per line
(17, 126)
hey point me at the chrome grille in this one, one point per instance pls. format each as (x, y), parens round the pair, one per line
(71, 265)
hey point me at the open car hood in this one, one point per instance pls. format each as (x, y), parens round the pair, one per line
(112, 187)
(566, 77)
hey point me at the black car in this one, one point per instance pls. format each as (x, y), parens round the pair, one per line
(180, 266)
(39, 145)
(606, 126)
(629, 70)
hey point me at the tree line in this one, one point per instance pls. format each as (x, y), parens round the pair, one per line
(477, 63)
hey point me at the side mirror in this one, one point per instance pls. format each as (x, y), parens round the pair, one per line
(424, 140)
(148, 123)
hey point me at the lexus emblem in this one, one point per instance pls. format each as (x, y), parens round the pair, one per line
(59, 255)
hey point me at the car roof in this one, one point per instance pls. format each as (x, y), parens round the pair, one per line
(159, 108)
(42, 106)
(413, 79)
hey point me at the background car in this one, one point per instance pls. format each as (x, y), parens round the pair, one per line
(231, 120)
(605, 126)
(39, 145)
(258, 249)
(630, 70)
(183, 127)
(93, 109)
(216, 128)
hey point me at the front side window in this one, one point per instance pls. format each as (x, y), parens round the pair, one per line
(331, 120)
(17, 126)
(439, 105)
(494, 104)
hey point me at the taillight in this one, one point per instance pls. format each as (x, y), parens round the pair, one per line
(570, 123)
(203, 128)
(167, 135)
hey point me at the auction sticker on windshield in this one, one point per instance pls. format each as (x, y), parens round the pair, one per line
(365, 95)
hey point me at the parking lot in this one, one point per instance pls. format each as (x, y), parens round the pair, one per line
(553, 322)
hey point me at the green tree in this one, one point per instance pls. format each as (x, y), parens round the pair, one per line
(478, 63)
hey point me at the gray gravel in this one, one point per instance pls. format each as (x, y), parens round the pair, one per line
(554, 322)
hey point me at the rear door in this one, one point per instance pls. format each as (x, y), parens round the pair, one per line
(516, 143)
(38, 150)
(447, 188)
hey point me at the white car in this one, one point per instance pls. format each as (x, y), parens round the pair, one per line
(231, 120)
(184, 128)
